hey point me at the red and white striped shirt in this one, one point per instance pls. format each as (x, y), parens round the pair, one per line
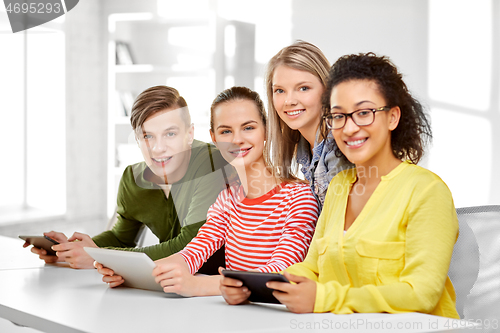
(268, 233)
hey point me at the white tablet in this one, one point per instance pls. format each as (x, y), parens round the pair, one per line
(136, 268)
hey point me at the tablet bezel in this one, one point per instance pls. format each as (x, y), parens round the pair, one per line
(136, 268)
(256, 283)
(41, 242)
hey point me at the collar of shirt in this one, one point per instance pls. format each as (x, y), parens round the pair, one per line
(304, 158)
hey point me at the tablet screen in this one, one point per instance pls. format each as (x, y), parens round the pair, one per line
(256, 283)
(136, 268)
(41, 242)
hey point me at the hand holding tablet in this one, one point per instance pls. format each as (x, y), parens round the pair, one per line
(135, 267)
(256, 284)
(41, 242)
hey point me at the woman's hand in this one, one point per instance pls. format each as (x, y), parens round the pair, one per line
(109, 277)
(233, 290)
(172, 273)
(299, 297)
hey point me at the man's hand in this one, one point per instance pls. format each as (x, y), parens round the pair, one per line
(299, 297)
(42, 254)
(73, 253)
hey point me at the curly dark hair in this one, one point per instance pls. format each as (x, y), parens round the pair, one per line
(413, 132)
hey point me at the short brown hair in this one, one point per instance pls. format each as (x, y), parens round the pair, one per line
(156, 99)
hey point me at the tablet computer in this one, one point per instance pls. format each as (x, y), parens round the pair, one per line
(136, 268)
(256, 283)
(41, 242)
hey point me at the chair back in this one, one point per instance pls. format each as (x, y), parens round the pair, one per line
(475, 264)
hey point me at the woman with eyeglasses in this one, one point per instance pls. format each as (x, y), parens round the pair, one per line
(295, 81)
(384, 240)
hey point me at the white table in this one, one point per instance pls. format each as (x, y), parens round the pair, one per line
(55, 298)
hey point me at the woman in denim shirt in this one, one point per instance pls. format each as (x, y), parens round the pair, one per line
(295, 81)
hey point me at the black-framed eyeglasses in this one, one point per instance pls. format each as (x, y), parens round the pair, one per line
(361, 117)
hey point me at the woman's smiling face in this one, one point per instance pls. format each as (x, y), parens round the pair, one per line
(363, 145)
(239, 132)
(297, 98)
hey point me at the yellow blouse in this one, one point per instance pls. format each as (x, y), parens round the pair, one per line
(395, 256)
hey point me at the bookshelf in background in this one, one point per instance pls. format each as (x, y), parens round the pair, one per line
(146, 50)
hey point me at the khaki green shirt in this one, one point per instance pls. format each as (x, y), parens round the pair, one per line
(176, 220)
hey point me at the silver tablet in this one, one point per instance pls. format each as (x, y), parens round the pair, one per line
(136, 268)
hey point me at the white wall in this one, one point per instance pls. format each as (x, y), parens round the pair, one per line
(448, 50)
(85, 132)
(86, 113)
(445, 49)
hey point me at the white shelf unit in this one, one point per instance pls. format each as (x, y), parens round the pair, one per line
(159, 57)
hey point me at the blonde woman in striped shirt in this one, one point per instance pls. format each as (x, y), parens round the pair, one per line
(265, 222)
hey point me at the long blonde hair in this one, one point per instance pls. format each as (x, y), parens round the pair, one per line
(283, 140)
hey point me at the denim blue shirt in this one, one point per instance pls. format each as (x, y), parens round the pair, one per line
(322, 167)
